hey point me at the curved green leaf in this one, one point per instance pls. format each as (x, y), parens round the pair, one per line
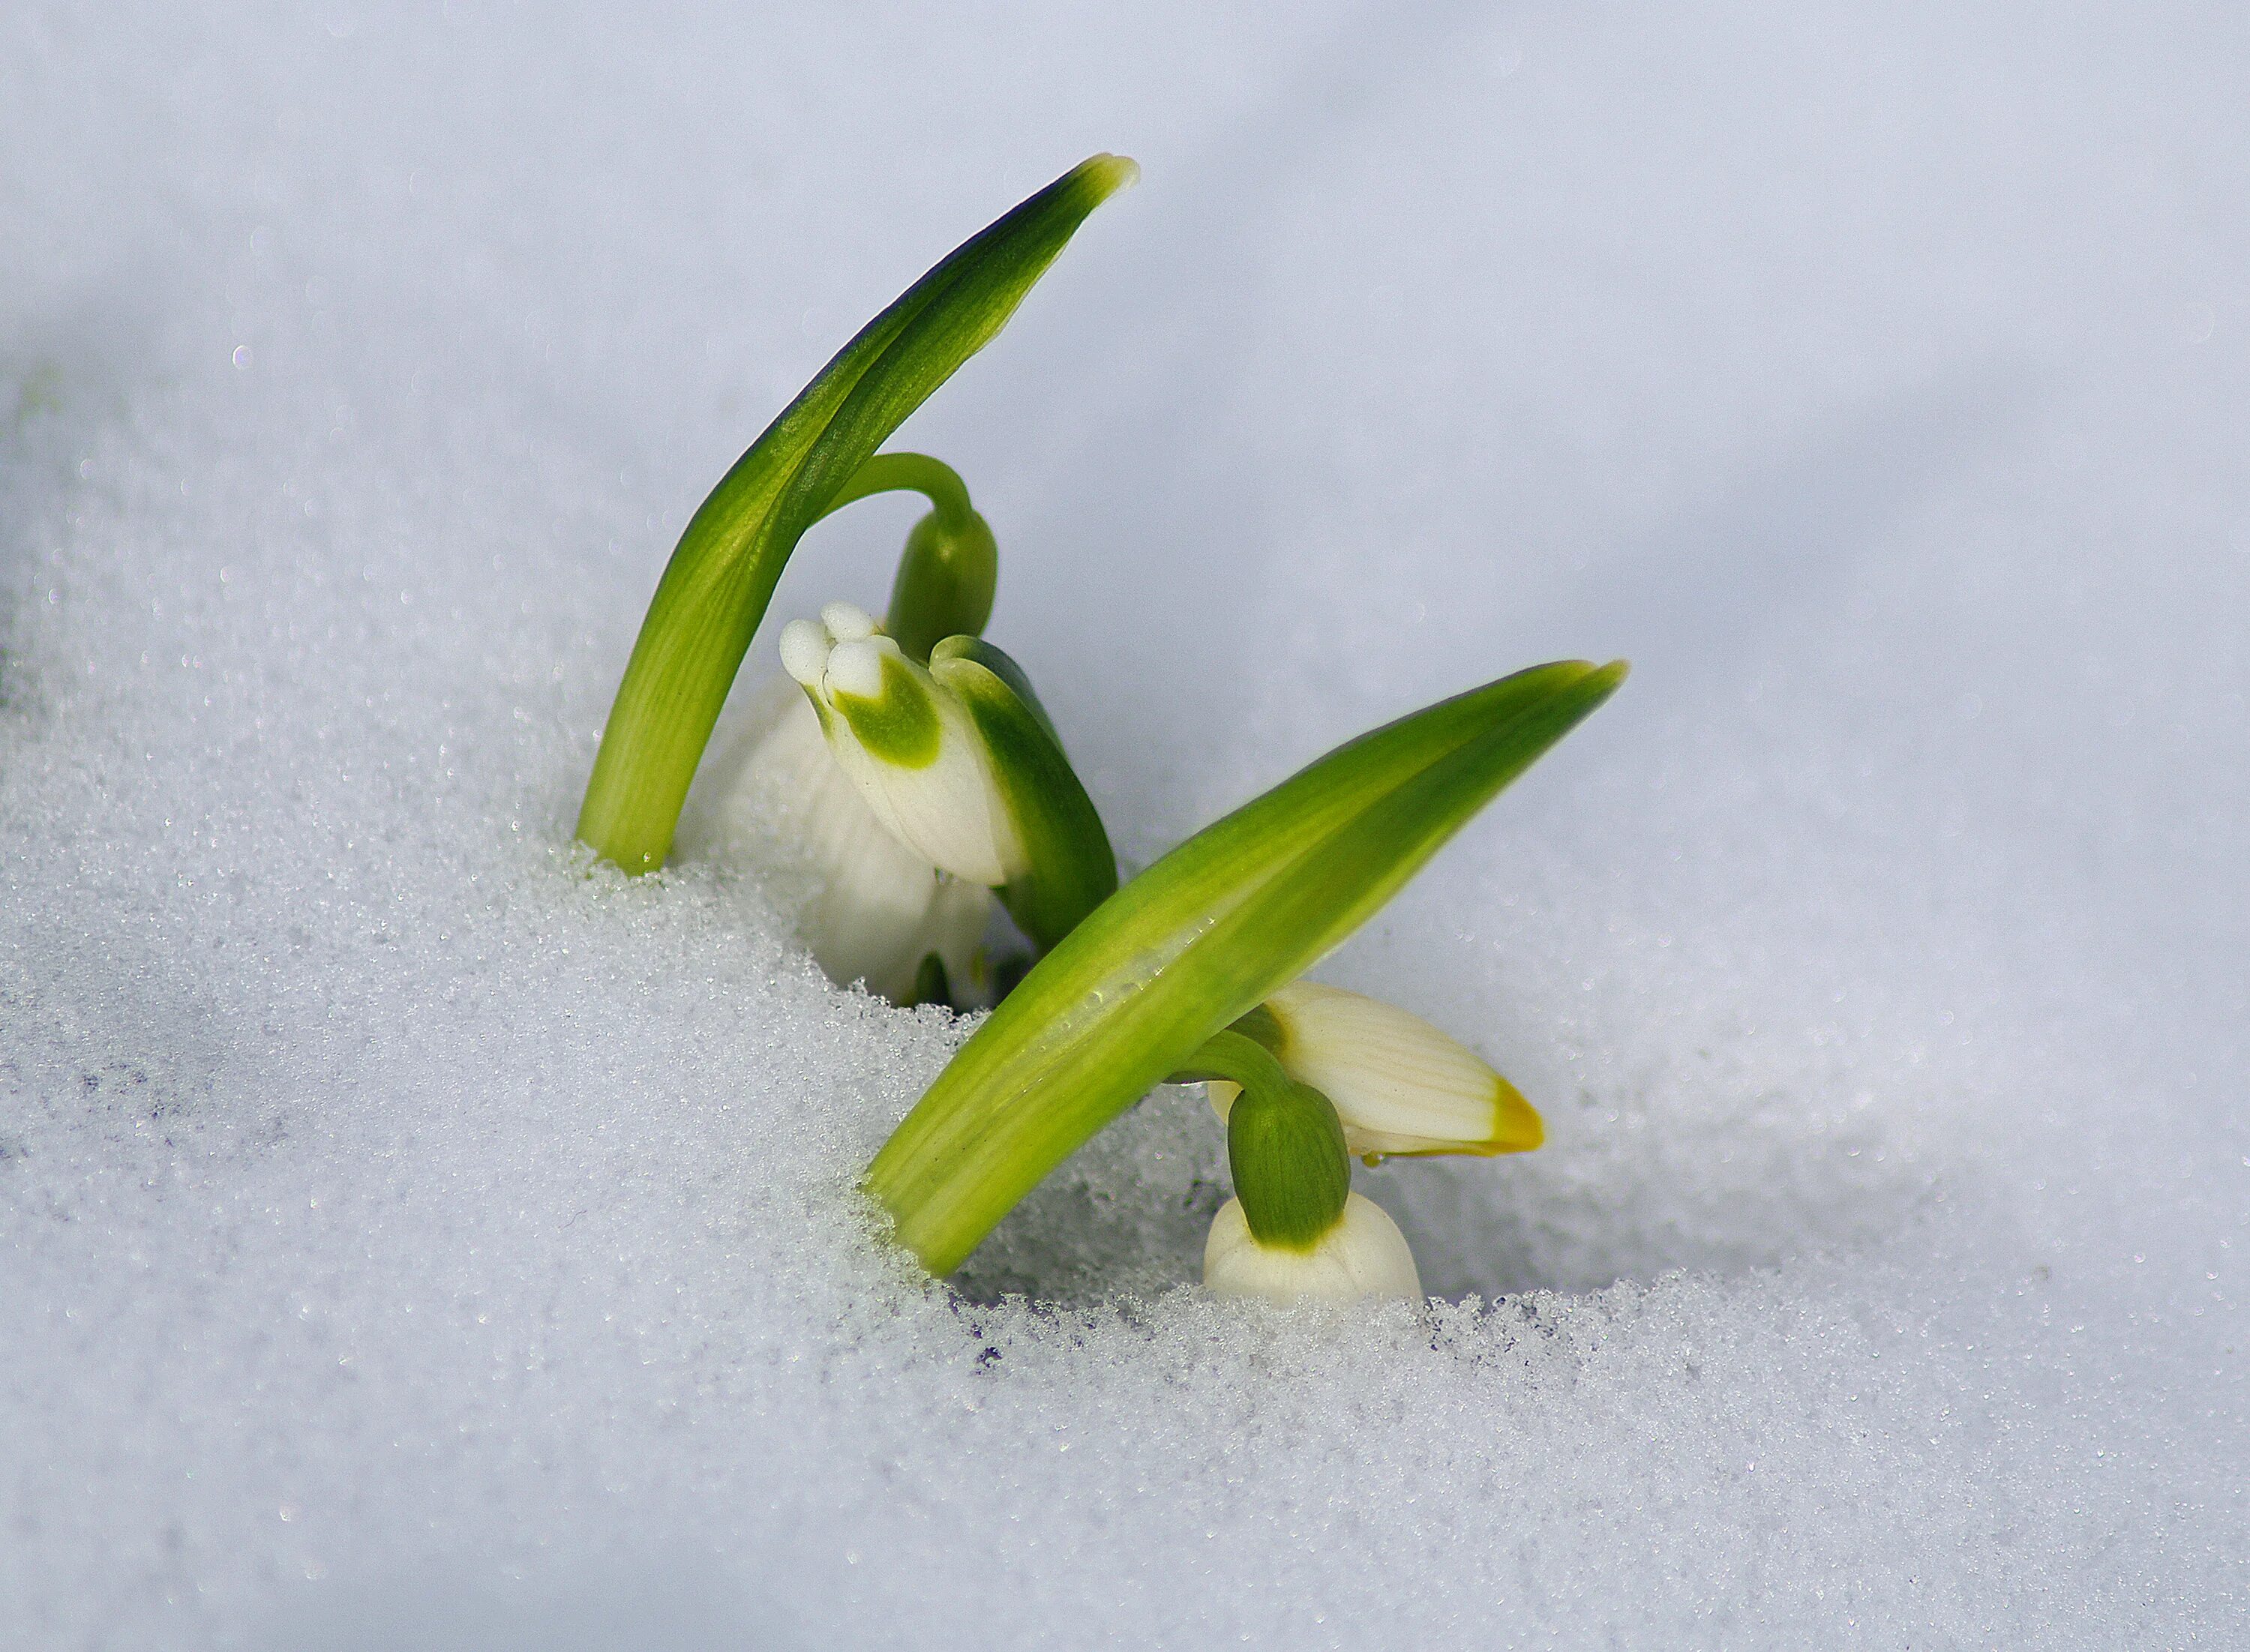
(1197, 940)
(715, 588)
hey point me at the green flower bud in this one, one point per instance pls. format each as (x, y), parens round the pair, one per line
(1285, 1147)
(944, 584)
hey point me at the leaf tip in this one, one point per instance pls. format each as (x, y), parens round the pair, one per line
(1105, 174)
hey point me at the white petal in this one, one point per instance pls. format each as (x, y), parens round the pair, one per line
(855, 666)
(1399, 1086)
(1365, 1254)
(805, 649)
(948, 811)
(868, 907)
(847, 622)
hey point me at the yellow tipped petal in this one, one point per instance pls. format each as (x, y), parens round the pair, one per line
(1401, 1088)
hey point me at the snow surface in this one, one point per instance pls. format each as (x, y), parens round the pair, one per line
(406, 1240)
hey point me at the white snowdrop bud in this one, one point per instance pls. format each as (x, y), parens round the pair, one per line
(869, 908)
(1363, 1255)
(1399, 1086)
(907, 743)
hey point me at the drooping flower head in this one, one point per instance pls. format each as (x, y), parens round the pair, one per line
(907, 742)
(1394, 1086)
(1295, 1229)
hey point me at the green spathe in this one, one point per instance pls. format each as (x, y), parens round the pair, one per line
(1069, 868)
(1198, 939)
(1285, 1150)
(944, 584)
(1284, 1145)
(715, 588)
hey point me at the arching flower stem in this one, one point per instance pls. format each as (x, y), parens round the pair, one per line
(951, 565)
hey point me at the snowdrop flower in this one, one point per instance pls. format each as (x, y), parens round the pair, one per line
(907, 742)
(923, 791)
(870, 909)
(1401, 1087)
(1294, 1230)
(818, 456)
(1189, 974)
(1363, 1255)
(1315, 1073)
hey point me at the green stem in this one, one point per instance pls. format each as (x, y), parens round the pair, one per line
(1235, 1058)
(909, 473)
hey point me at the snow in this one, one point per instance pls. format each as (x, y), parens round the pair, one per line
(408, 1239)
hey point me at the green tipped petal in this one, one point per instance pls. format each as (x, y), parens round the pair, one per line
(1200, 938)
(1069, 868)
(908, 743)
(898, 724)
(715, 588)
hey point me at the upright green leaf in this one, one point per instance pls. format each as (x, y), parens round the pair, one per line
(1198, 939)
(715, 588)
